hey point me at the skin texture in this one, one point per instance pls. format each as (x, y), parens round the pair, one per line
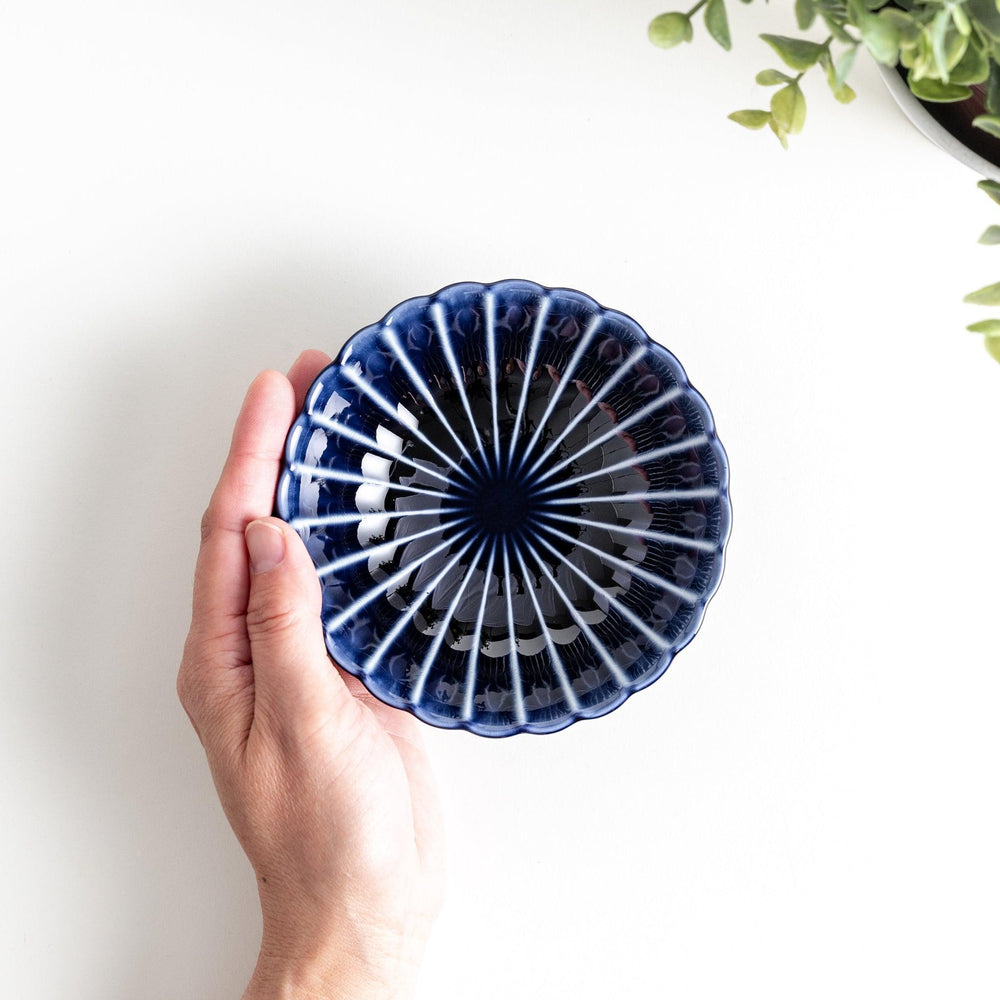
(328, 790)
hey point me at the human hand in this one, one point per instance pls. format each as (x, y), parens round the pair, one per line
(328, 790)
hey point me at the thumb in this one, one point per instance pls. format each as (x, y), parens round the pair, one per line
(296, 687)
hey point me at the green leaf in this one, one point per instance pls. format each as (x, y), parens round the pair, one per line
(955, 44)
(991, 236)
(836, 29)
(668, 30)
(796, 53)
(717, 23)
(772, 77)
(788, 109)
(905, 25)
(990, 327)
(936, 91)
(989, 295)
(923, 62)
(779, 132)
(840, 90)
(751, 118)
(939, 28)
(843, 67)
(974, 66)
(992, 188)
(985, 15)
(907, 57)
(988, 123)
(993, 89)
(881, 38)
(805, 13)
(960, 19)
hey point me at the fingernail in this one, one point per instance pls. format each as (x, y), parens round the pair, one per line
(266, 545)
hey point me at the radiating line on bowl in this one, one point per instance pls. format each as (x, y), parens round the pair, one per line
(614, 431)
(339, 476)
(366, 553)
(477, 639)
(602, 650)
(565, 378)
(649, 495)
(633, 460)
(380, 588)
(627, 365)
(330, 520)
(536, 336)
(414, 376)
(437, 311)
(383, 404)
(557, 664)
(623, 609)
(406, 615)
(632, 568)
(512, 660)
(656, 536)
(338, 428)
(491, 354)
(416, 692)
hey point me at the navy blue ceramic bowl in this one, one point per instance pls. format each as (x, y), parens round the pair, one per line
(516, 503)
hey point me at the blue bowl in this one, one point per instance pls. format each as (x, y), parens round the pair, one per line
(516, 503)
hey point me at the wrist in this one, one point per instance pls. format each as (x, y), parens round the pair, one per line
(281, 981)
(337, 970)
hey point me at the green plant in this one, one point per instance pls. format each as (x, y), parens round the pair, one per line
(946, 47)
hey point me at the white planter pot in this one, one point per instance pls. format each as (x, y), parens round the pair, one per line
(931, 128)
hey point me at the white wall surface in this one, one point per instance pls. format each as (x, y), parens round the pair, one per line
(806, 804)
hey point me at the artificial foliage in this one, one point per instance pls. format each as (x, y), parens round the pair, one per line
(945, 46)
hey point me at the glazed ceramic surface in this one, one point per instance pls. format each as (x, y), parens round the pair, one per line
(516, 504)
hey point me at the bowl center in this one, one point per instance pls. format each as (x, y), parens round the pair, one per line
(500, 505)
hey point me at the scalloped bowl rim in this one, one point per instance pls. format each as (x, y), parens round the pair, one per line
(725, 504)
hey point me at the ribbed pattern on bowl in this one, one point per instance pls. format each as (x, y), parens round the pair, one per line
(516, 504)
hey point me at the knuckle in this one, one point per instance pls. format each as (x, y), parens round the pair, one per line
(272, 622)
(186, 686)
(207, 523)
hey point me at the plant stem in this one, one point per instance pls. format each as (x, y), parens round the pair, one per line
(694, 10)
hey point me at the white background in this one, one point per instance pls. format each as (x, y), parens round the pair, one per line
(806, 804)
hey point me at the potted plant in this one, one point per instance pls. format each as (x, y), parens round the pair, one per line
(940, 59)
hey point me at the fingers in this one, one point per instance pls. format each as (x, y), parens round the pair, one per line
(302, 374)
(296, 688)
(215, 681)
(245, 491)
